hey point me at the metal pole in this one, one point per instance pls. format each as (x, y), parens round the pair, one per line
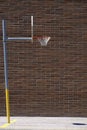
(6, 71)
(18, 38)
(32, 28)
(5, 39)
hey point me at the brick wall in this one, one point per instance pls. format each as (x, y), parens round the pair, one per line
(52, 80)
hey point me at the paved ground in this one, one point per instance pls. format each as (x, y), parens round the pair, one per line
(44, 123)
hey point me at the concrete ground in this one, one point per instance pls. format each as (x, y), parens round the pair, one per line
(44, 123)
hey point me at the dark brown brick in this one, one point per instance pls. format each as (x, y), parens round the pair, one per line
(52, 80)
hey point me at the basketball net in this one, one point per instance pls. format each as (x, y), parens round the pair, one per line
(43, 40)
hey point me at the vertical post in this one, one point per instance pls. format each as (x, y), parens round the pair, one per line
(32, 27)
(6, 71)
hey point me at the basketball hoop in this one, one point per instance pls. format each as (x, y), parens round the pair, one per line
(43, 40)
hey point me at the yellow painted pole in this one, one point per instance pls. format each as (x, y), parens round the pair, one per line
(6, 70)
(7, 106)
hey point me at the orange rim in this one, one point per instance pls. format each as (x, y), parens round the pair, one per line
(37, 37)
